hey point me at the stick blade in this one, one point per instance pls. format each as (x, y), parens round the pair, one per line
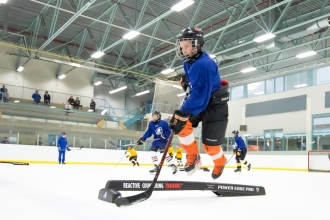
(18, 163)
(132, 200)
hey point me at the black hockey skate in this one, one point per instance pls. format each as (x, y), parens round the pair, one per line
(194, 166)
(174, 169)
(238, 170)
(154, 170)
(249, 167)
(217, 171)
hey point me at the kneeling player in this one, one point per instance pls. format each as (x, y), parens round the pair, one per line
(161, 131)
(132, 155)
(240, 151)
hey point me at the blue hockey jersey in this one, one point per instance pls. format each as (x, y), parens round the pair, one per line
(204, 79)
(158, 129)
(240, 144)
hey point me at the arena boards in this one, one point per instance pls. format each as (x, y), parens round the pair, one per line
(113, 187)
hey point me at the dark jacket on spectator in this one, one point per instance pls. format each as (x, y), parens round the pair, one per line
(71, 100)
(92, 105)
(47, 98)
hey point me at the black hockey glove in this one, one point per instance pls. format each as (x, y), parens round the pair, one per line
(140, 141)
(184, 82)
(178, 121)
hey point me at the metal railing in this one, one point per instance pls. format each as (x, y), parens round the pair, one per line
(22, 92)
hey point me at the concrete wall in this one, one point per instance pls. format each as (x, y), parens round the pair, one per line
(42, 154)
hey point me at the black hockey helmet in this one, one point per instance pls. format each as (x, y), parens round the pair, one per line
(194, 34)
(130, 146)
(235, 132)
(159, 115)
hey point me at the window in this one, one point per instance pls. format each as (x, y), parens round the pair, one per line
(322, 75)
(274, 140)
(321, 133)
(257, 88)
(237, 92)
(279, 84)
(269, 86)
(295, 81)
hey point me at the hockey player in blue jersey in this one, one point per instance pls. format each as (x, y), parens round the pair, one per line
(206, 103)
(62, 145)
(240, 150)
(161, 131)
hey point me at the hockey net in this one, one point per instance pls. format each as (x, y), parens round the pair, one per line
(319, 161)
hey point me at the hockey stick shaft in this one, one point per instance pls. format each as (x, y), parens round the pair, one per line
(77, 148)
(125, 145)
(131, 200)
(229, 159)
(120, 160)
(14, 163)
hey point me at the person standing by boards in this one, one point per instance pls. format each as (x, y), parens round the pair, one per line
(62, 145)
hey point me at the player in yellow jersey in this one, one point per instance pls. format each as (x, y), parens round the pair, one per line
(132, 155)
(170, 153)
(178, 155)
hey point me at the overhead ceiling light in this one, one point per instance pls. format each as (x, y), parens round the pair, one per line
(307, 54)
(264, 37)
(212, 56)
(3, 1)
(142, 93)
(90, 110)
(97, 54)
(182, 5)
(52, 107)
(176, 86)
(250, 69)
(259, 93)
(181, 94)
(62, 76)
(98, 83)
(16, 101)
(117, 90)
(131, 35)
(20, 69)
(167, 71)
(301, 85)
(104, 111)
(75, 64)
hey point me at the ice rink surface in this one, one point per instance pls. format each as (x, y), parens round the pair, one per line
(70, 192)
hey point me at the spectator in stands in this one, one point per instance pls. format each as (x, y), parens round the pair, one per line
(71, 100)
(52, 143)
(39, 142)
(5, 141)
(2, 90)
(47, 98)
(5, 95)
(77, 103)
(36, 97)
(92, 105)
(68, 107)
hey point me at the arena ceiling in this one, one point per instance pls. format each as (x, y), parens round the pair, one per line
(70, 31)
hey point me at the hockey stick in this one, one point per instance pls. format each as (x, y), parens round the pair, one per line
(229, 159)
(113, 144)
(15, 163)
(131, 200)
(120, 160)
(76, 148)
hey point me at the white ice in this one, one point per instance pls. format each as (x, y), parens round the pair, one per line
(71, 192)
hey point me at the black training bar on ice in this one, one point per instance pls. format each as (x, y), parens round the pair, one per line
(112, 188)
